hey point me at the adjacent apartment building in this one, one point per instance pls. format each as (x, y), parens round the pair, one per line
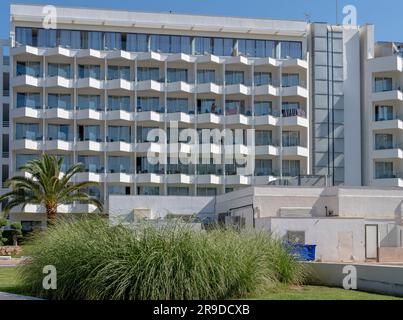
(323, 100)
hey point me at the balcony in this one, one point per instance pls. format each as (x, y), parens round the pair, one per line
(238, 180)
(90, 83)
(209, 179)
(59, 113)
(389, 123)
(181, 117)
(180, 178)
(26, 80)
(120, 177)
(149, 118)
(26, 112)
(93, 114)
(150, 86)
(388, 180)
(58, 81)
(394, 151)
(97, 176)
(120, 85)
(57, 144)
(91, 145)
(24, 144)
(119, 115)
(389, 94)
(150, 178)
(209, 88)
(180, 86)
(386, 64)
(295, 152)
(120, 146)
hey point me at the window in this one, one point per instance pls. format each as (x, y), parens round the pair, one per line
(137, 42)
(263, 137)
(119, 190)
(205, 76)
(203, 45)
(59, 132)
(291, 168)
(95, 40)
(263, 167)
(47, 38)
(119, 103)
(383, 141)
(384, 170)
(149, 104)
(292, 109)
(206, 106)
(89, 133)
(262, 78)
(119, 164)
(175, 75)
(23, 36)
(59, 70)
(223, 47)
(290, 49)
(234, 77)
(178, 191)
(29, 68)
(91, 163)
(119, 72)
(144, 166)
(291, 138)
(383, 113)
(206, 192)
(70, 39)
(29, 226)
(22, 159)
(177, 105)
(113, 41)
(234, 107)
(28, 100)
(119, 133)
(66, 162)
(148, 191)
(89, 102)
(89, 71)
(28, 131)
(59, 100)
(290, 79)
(263, 108)
(142, 134)
(383, 84)
(144, 74)
(247, 47)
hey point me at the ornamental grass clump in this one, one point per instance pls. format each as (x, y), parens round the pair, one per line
(97, 261)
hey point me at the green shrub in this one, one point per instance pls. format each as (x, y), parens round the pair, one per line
(95, 261)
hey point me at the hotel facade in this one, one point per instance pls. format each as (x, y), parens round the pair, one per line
(324, 101)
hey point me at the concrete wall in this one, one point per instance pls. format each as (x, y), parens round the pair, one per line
(121, 207)
(336, 239)
(371, 278)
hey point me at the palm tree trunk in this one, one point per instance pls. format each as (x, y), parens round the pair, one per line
(51, 211)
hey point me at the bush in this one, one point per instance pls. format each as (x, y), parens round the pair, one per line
(95, 261)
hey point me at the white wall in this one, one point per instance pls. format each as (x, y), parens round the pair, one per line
(336, 239)
(120, 207)
(352, 107)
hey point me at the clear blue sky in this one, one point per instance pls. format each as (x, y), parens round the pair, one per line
(385, 14)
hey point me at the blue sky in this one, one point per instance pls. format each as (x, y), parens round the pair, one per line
(385, 14)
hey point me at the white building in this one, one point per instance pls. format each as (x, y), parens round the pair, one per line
(345, 223)
(92, 89)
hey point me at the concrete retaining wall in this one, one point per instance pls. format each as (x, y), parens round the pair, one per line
(380, 279)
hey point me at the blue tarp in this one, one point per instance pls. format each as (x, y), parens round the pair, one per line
(303, 252)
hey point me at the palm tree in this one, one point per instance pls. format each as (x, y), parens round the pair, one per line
(47, 186)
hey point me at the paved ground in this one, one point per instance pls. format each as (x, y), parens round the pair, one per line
(9, 296)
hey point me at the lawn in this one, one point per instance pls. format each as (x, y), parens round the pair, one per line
(317, 293)
(9, 283)
(8, 280)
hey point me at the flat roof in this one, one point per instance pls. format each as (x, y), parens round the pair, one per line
(176, 21)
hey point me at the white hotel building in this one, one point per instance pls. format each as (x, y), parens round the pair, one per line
(91, 90)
